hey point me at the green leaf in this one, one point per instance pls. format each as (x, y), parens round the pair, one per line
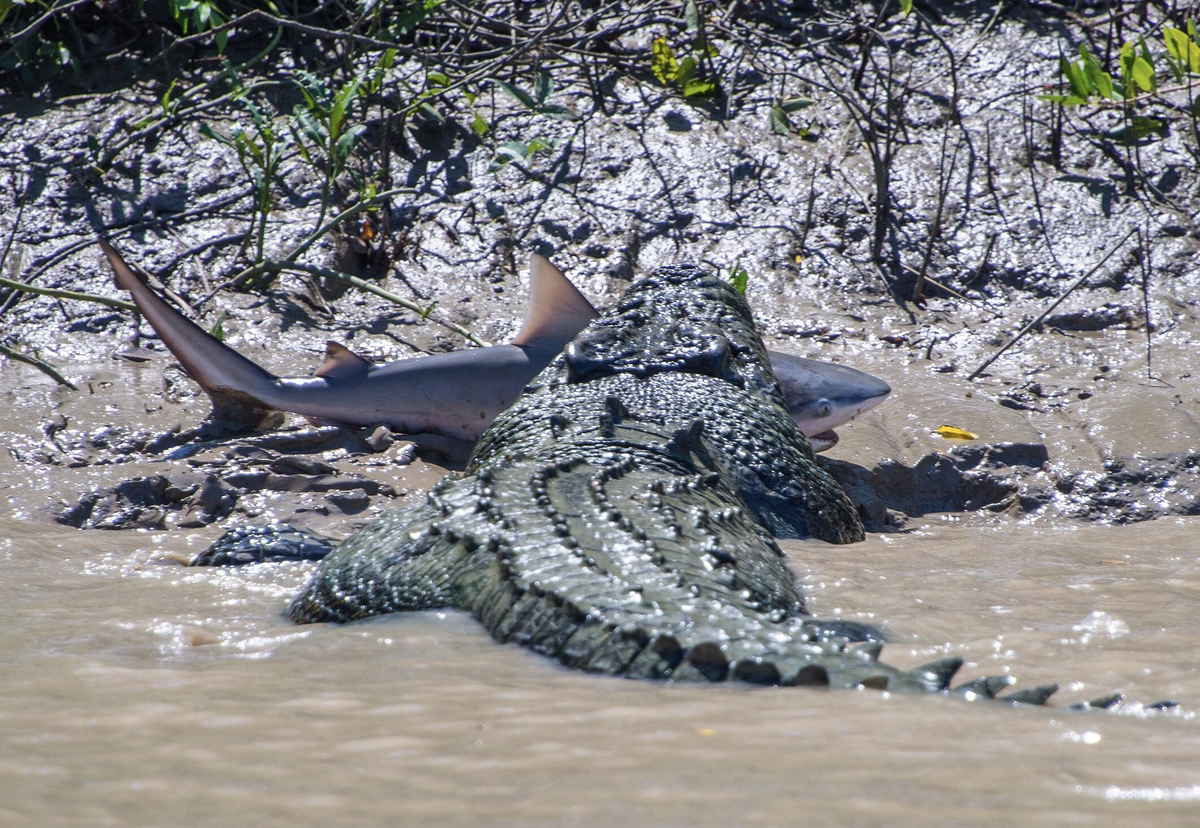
(1098, 80)
(516, 92)
(221, 38)
(506, 152)
(1076, 77)
(438, 79)
(906, 7)
(691, 15)
(1143, 74)
(218, 328)
(543, 87)
(558, 113)
(310, 127)
(1127, 57)
(662, 61)
(471, 98)
(207, 132)
(479, 126)
(341, 102)
(698, 88)
(687, 71)
(537, 144)
(165, 100)
(432, 112)
(738, 277)
(778, 121)
(1146, 56)
(346, 144)
(1182, 48)
(795, 104)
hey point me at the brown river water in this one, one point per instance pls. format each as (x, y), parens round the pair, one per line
(136, 692)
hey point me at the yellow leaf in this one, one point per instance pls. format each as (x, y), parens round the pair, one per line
(662, 61)
(952, 433)
(705, 731)
(799, 259)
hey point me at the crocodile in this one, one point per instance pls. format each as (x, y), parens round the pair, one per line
(621, 516)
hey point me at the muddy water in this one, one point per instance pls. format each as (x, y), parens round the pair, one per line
(140, 693)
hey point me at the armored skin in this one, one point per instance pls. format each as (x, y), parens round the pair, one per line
(619, 516)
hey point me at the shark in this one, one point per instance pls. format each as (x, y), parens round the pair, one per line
(457, 394)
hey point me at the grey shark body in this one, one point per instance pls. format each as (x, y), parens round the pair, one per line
(456, 394)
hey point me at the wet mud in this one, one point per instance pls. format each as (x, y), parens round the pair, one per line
(1060, 544)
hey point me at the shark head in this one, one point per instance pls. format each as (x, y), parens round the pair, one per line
(822, 395)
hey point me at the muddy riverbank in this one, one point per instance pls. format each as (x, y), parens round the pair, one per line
(1057, 545)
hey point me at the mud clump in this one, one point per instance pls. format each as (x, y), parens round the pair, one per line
(1016, 478)
(217, 479)
(1108, 315)
(966, 479)
(1129, 490)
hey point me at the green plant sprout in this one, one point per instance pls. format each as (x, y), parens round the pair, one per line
(739, 277)
(322, 130)
(781, 124)
(1137, 79)
(200, 15)
(260, 149)
(691, 75)
(543, 88)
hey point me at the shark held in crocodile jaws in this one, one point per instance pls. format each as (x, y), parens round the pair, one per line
(456, 394)
(619, 516)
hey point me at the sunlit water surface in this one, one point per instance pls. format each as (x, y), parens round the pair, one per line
(142, 693)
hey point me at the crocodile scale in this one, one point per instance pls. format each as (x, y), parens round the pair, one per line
(620, 516)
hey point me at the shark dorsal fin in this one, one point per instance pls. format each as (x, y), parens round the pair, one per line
(557, 310)
(342, 364)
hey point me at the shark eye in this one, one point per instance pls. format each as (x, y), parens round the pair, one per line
(825, 408)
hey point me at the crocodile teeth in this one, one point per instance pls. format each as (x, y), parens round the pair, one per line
(1033, 695)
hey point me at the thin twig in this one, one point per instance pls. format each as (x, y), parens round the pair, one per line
(1057, 302)
(68, 294)
(45, 367)
(252, 273)
(983, 263)
(1144, 250)
(362, 284)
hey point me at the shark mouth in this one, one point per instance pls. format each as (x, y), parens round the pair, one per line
(823, 441)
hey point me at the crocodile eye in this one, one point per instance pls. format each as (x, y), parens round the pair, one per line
(826, 408)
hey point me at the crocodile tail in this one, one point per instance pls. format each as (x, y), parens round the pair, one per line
(412, 574)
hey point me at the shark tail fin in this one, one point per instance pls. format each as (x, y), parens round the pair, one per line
(557, 310)
(235, 385)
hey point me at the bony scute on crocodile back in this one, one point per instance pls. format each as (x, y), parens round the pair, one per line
(620, 516)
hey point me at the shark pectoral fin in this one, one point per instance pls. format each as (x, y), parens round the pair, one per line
(342, 364)
(557, 310)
